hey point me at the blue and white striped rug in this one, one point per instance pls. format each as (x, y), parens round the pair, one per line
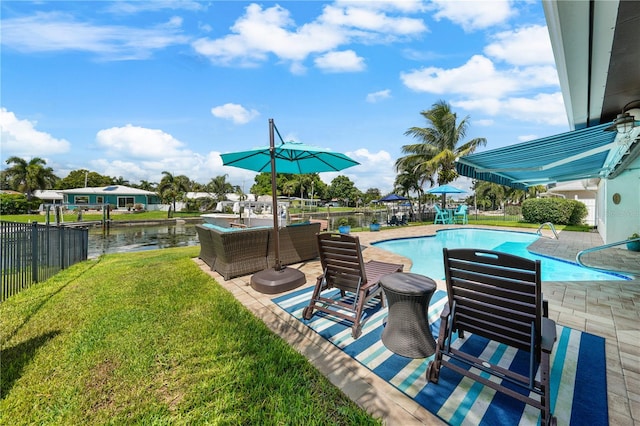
(578, 370)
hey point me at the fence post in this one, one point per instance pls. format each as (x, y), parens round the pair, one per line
(34, 252)
(62, 246)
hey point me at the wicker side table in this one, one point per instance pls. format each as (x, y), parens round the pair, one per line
(407, 331)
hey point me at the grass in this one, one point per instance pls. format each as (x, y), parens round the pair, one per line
(148, 338)
(93, 215)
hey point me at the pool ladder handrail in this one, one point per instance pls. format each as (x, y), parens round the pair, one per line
(602, 247)
(553, 228)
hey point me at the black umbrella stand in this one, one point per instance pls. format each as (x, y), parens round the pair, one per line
(277, 279)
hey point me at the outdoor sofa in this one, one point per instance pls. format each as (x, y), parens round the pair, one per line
(234, 252)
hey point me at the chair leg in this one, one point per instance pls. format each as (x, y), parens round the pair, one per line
(307, 312)
(547, 418)
(356, 330)
(433, 369)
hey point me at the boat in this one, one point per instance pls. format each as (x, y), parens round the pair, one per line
(249, 213)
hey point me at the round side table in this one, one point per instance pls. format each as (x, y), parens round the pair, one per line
(407, 331)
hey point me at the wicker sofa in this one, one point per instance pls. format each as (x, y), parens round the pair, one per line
(297, 243)
(236, 252)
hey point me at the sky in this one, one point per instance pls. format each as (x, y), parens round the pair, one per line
(133, 88)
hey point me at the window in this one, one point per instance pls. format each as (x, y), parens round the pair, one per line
(99, 199)
(81, 199)
(124, 202)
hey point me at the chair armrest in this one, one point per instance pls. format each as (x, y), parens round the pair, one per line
(444, 315)
(545, 308)
(548, 335)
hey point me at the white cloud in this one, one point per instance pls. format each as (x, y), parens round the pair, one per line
(543, 108)
(474, 15)
(479, 85)
(367, 17)
(378, 96)
(376, 170)
(523, 46)
(346, 61)
(483, 122)
(55, 31)
(260, 33)
(128, 8)
(477, 78)
(234, 112)
(525, 138)
(20, 138)
(139, 142)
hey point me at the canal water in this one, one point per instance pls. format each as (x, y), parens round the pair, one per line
(119, 239)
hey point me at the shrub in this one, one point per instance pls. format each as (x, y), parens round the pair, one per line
(578, 213)
(555, 210)
(17, 204)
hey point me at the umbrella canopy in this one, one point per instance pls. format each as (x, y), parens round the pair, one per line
(393, 197)
(444, 190)
(289, 157)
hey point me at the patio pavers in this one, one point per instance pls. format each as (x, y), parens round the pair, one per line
(610, 309)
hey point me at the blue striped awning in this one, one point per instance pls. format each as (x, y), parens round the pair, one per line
(574, 155)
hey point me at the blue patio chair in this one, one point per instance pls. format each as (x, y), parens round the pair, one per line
(460, 215)
(442, 216)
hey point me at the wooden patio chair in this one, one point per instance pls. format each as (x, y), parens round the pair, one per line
(497, 296)
(344, 269)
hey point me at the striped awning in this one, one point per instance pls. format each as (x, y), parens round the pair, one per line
(578, 154)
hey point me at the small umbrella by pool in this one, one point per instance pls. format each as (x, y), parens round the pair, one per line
(288, 157)
(444, 190)
(392, 198)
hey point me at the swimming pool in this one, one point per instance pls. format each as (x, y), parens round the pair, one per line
(426, 253)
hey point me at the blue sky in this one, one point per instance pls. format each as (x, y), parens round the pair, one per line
(133, 88)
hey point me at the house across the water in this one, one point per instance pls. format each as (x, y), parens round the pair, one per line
(119, 197)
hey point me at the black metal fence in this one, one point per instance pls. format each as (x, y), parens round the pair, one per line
(31, 253)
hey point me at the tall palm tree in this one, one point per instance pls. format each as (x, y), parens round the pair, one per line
(30, 176)
(439, 144)
(172, 188)
(409, 179)
(219, 187)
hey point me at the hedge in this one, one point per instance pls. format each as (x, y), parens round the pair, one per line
(558, 211)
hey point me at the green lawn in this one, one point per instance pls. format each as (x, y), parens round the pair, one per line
(93, 215)
(148, 338)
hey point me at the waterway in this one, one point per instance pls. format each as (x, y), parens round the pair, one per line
(119, 239)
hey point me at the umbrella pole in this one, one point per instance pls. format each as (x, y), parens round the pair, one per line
(274, 196)
(276, 279)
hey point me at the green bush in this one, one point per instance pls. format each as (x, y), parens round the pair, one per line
(579, 212)
(17, 204)
(558, 211)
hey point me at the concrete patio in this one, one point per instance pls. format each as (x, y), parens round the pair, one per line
(610, 309)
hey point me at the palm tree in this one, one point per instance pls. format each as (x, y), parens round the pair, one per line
(219, 187)
(29, 176)
(172, 188)
(490, 191)
(438, 145)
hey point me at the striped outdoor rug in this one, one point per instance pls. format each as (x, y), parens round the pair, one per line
(578, 371)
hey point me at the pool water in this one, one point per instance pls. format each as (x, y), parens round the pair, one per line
(426, 253)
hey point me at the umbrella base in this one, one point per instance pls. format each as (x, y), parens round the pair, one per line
(271, 281)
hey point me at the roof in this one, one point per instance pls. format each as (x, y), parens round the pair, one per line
(48, 194)
(111, 189)
(596, 47)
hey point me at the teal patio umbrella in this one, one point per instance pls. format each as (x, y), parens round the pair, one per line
(444, 190)
(287, 157)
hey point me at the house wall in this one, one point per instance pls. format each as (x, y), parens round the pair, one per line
(151, 204)
(618, 221)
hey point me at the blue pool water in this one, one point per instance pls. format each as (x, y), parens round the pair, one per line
(426, 253)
